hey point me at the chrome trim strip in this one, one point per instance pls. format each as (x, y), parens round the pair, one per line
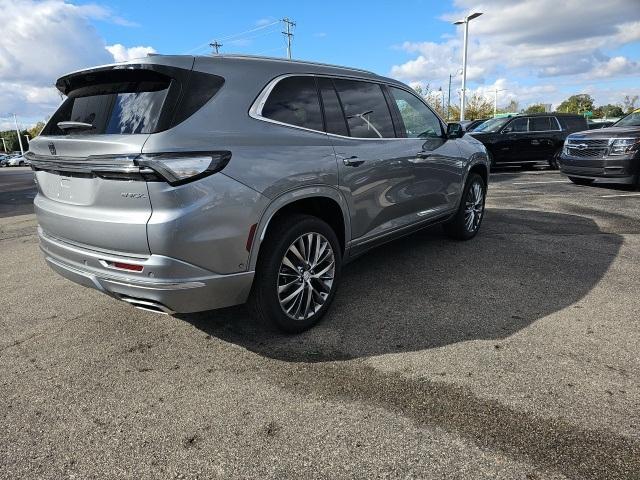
(107, 164)
(255, 111)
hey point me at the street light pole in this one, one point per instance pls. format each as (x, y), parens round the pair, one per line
(495, 101)
(466, 21)
(15, 120)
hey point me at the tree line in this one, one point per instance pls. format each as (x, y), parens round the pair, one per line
(477, 106)
(11, 138)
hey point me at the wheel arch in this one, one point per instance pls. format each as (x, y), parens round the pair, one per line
(326, 203)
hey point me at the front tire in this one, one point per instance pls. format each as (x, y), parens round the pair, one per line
(466, 222)
(297, 274)
(554, 162)
(581, 181)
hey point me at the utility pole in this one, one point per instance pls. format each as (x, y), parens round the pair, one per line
(442, 92)
(4, 145)
(289, 34)
(15, 120)
(466, 21)
(216, 46)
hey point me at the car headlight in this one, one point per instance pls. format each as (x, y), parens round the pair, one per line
(623, 146)
(565, 147)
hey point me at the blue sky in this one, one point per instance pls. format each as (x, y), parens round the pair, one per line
(531, 50)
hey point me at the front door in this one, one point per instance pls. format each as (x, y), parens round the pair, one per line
(515, 142)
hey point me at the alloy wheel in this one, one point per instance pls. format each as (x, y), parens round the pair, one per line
(306, 275)
(474, 207)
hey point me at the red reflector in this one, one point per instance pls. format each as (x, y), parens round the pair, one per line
(127, 266)
(252, 232)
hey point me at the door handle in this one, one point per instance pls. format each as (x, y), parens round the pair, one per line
(535, 142)
(423, 154)
(352, 161)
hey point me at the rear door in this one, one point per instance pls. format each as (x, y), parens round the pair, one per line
(544, 132)
(375, 173)
(90, 191)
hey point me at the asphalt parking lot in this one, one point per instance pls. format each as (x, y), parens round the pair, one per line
(512, 356)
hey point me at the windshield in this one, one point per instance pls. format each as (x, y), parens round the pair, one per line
(492, 125)
(631, 120)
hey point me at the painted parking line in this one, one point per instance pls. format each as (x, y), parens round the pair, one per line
(547, 181)
(621, 195)
(520, 172)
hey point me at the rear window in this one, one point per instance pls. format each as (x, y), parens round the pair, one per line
(131, 101)
(365, 108)
(574, 124)
(542, 124)
(294, 100)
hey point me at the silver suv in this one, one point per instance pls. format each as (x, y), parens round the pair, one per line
(182, 184)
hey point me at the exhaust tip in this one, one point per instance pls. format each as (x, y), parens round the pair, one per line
(148, 305)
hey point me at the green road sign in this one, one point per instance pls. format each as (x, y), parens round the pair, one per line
(588, 114)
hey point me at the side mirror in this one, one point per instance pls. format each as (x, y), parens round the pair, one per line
(454, 130)
(507, 130)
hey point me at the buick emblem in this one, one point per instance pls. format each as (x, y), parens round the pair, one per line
(52, 148)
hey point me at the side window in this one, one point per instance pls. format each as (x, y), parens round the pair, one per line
(294, 100)
(517, 125)
(542, 124)
(419, 121)
(333, 115)
(365, 108)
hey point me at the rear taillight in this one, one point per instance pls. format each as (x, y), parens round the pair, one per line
(179, 168)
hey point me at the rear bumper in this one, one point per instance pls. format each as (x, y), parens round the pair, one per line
(609, 169)
(166, 284)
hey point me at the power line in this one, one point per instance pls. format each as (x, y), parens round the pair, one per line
(199, 47)
(288, 34)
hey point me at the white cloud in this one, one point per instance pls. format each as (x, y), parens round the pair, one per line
(569, 40)
(122, 54)
(44, 40)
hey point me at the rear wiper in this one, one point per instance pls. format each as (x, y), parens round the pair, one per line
(75, 126)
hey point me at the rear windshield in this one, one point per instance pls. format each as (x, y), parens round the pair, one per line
(131, 101)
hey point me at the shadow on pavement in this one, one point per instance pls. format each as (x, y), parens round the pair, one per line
(426, 291)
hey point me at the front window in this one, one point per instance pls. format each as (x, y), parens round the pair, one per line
(518, 125)
(631, 120)
(419, 121)
(492, 125)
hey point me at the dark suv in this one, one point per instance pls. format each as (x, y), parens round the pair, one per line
(611, 154)
(527, 139)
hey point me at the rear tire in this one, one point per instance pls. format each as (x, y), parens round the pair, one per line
(581, 181)
(297, 274)
(466, 222)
